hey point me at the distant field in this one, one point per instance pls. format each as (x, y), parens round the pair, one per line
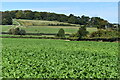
(50, 29)
(91, 29)
(41, 26)
(7, 35)
(43, 29)
(5, 28)
(47, 29)
(39, 22)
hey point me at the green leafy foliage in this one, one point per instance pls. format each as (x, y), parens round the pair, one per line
(17, 31)
(34, 15)
(34, 58)
(105, 34)
(82, 32)
(6, 18)
(61, 33)
(98, 22)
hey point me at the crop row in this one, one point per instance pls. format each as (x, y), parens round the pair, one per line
(34, 58)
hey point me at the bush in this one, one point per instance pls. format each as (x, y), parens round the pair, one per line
(10, 31)
(17, 31)
(22, 32)
(104, 33)
(73, 35)
(61, 33)
(82, 32)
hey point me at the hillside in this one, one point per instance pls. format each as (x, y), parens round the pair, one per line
(26, 23)
(7, 17)
(43, 26)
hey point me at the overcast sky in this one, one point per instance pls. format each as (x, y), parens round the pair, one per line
(106, 10)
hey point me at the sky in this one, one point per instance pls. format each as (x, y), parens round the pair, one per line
(105, 10)
(60, 0)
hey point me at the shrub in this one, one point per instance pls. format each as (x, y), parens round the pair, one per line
(17, 31)
(22, 32)
(82, 32)
(61, 33)
(104, 33)
(10, 31)
(73, 35)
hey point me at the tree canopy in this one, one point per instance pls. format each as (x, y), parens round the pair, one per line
(34, 15)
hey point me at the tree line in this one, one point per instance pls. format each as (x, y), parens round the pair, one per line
(98, 22)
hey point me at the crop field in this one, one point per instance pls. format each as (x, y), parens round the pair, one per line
(44, 58)
(46, 29)
(24, 22)
(49, 29)
(41, 26)
(38, 27)
(91, 29)
(5, 28)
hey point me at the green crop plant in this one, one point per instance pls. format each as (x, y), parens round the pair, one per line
(44, 58)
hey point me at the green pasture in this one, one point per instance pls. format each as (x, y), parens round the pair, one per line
(44, 28)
